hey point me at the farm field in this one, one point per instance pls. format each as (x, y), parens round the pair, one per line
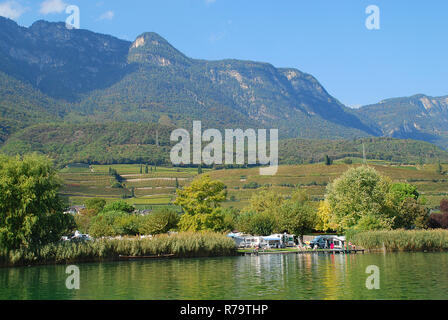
(158, 188)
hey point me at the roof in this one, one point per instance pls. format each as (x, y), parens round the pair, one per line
(271, 238)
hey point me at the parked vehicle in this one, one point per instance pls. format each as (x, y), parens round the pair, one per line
(324, 242)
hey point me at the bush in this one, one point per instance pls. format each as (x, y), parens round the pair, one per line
(444, 206)
(158, 222)
(438, 220)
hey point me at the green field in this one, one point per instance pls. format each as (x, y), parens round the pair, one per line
(158, 188)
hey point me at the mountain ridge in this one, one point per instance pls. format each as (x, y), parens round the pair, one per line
(87, 76)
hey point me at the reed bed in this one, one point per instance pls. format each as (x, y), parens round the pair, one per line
(402, 240)
(182, 245)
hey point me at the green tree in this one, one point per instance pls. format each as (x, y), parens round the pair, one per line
(213, 221)
(120, 205)
(257, 223)
(96, 204)
(200, 202)
(358, 199)
(408, 206)
(439, 168)
(412, 214)
(328, 160)
(114, 223)
(31, 212)
(297, 216)
(265, 200)
(158, 222)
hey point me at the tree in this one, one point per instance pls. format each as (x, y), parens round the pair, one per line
(444, 206)
(411, 214)
(120, 205)
(260, 224)
(328, 160)
(200, 202)
(84, 218)
(440, 220)
(199, 169)
(213, 221)
(146, 169)
(358, 199)
(158, 222)
(402, 191)
(31, 211)
(114, 223)
(96, 204)
(408, 206)
(439, 168)
(296, 217)
(325, 218)
(265, 200)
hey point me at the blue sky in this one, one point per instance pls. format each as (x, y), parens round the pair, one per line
(325, 38)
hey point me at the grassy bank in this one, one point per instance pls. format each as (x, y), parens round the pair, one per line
(183, 245)
(402, 240)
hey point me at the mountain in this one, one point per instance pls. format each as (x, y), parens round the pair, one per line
(61, 63)
(21, 105)
(101, 78)
(419, 117)
(60, 83)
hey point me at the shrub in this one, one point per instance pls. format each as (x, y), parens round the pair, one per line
(438, 220)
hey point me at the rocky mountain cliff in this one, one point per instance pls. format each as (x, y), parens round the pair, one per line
(418, 117)
(51, 73)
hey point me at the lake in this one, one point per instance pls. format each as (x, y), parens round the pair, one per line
(277, 276)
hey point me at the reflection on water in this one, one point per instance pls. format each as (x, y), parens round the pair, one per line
(291, 276)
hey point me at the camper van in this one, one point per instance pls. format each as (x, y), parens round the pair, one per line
(324, 242)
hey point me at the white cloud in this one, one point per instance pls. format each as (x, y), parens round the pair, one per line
(11, 9)
(52, 6)
(108, 15)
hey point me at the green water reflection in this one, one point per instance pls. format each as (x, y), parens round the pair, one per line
(403, 276)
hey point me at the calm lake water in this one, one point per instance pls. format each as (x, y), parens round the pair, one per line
(402, 276)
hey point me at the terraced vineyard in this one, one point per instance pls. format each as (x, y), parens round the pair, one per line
(157, 188)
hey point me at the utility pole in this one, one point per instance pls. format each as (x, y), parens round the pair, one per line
(364, 153)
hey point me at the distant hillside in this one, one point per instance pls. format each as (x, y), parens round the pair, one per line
(418, 117)
(293, 151)
(21, 105)
(98, 85)
(110, 143)
(107, 79)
